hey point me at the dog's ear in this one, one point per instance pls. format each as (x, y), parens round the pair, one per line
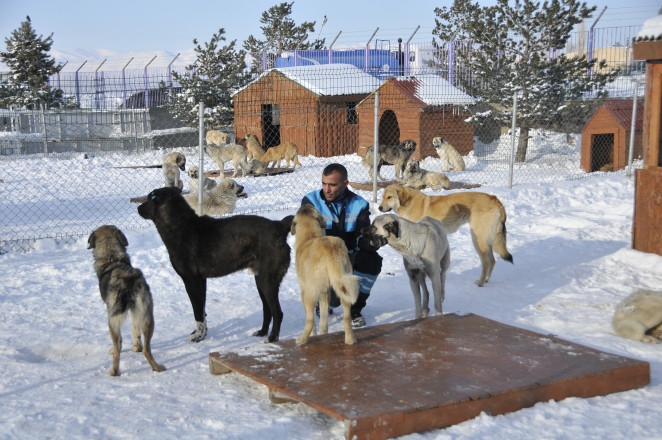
(403, 196)
(320, 220)
(121, 238)
(393, 228)
(92, 240)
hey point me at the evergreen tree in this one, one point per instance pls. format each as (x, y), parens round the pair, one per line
(27, 57)
(514, 49)
(218, 71)
(280, 34)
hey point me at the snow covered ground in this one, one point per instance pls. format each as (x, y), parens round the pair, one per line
(571, 242)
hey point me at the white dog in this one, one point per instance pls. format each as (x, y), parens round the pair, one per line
(451, 160)
(172, 163)
(194, 181)
(639, 316)
(425, 253)
(218, 138)
(232, 152)
(220, 200)
(416, 177)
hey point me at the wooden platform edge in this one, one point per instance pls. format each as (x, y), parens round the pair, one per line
(398, 424)
(218, 367)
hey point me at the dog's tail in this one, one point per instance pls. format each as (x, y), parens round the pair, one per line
(125, 293)
(346, 287)
(500, 237)
(286, 222)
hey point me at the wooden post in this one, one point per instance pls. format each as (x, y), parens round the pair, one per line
(647, 221)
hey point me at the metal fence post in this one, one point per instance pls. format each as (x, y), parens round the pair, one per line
(375, 150)
(633, 125)
(512, 146)
(201, 150)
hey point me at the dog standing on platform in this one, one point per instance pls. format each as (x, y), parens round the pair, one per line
(322, 263)
(425, 254)
(124, 290)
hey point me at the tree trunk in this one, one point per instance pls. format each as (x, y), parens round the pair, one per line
(522, 145)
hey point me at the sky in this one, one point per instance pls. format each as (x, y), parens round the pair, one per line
(124, 26)
(573, 264)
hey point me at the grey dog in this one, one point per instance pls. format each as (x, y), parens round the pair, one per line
(123, 290)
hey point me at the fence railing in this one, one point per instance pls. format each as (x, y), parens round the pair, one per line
(94, 87)
(65, 172)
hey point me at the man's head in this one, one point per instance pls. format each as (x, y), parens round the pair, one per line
(334, 181)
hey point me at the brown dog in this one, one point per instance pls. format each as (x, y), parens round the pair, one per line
(123, 290)
(484, 213)
(287, 151)
(322, 263)
(253, 147)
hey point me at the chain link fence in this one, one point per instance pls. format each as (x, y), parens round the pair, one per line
(65, 172)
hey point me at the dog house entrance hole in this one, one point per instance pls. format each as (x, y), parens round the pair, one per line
(389, 130)
(270, 125)
(602, 151)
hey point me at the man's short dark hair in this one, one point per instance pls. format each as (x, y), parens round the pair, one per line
(335, 167)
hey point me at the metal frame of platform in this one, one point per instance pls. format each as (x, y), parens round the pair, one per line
(424, 374)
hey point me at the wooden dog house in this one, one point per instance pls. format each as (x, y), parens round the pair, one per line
(418, 108)
(647, 222)
(606, 136)
(312, 106)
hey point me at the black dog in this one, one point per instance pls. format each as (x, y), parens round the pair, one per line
(206, 247)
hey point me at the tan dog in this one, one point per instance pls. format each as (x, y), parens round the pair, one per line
(255, 150)
(484, 213)
(287, 151)
(220, 200)
(639, 317)
(218, 138)
(425, 254)
(194, 181)
(172, 163)
(451, 160)
(124, 290)
(416, 177)
(258, 167)
(396, 155)
(322, 263)
(227, 153)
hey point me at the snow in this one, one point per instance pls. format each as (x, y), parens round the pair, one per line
(571, 242)
(652, 28)
(326, 79)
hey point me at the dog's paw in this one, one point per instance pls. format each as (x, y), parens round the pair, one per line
(158, 368)
(114, 372)
(200, 332)
(260, 333)
(301, 341)
(137, 348)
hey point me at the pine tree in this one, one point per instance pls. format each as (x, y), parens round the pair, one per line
(513, 49)
(218, 71)
(280, 34)
(27, 57)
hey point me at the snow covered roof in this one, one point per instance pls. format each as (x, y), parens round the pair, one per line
(327, 79)
(429, 90)
(651, 30)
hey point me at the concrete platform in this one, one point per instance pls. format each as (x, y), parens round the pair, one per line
(418, 375)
